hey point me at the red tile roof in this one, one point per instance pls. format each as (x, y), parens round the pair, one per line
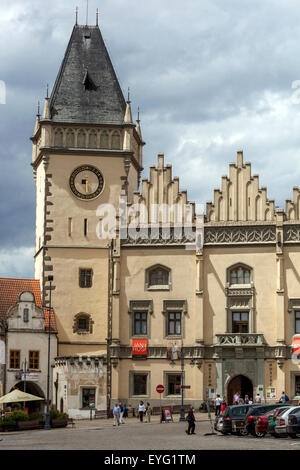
(10, 289)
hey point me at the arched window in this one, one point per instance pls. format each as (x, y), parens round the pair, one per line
(116, 141)
(239, 275)
(158, 276)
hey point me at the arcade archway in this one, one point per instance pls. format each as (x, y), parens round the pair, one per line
(241, 384)
(33, 389)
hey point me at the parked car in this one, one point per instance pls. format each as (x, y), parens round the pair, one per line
(282, 420)
(272, 419)
(230, 421)
(262, 421)
(293, 426)
(252, 415)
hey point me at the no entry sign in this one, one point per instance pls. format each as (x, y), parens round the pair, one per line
(160, 389)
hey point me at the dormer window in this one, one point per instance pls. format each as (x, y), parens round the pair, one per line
(240, 275)
(158, 277)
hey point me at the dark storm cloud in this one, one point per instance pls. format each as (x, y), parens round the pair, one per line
(210, 77)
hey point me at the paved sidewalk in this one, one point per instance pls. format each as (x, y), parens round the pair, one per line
(87, 423)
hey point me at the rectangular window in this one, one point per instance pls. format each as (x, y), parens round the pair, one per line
(26, 315)
(174, 384)
(14, 359)
(34, 360)
(174, 323)
(88, 397)
(140, 384)
(85, 227)
(297, 322)
(140, 323)
(297, 385)
(240, 322)
(85, 277)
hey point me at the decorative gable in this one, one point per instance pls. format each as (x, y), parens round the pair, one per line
(240, 198)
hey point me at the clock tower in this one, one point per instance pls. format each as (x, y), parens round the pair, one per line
(86, 152)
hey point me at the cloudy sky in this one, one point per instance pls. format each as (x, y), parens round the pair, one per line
(210, 77)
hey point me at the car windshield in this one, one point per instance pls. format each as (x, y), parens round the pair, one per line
(282, 410)
(239, 411)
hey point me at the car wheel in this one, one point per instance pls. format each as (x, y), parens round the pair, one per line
(292, 435)
(244, 432)
(259, 434)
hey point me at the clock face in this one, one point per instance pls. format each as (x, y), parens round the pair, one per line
(86, 182)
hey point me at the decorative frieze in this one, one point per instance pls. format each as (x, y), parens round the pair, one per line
(291, 233)
(239, 235)
(239, 338)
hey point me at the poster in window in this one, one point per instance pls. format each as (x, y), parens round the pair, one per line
(139, 348)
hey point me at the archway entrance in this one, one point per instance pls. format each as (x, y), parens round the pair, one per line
(33, 389)
(241, 384)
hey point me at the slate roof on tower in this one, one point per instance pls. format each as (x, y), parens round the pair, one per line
(87, 89)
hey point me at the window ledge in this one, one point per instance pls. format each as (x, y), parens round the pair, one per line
(159, 287)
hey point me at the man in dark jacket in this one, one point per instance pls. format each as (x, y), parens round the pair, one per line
(191, 420)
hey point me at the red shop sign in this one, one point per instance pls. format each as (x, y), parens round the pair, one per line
(139, 347)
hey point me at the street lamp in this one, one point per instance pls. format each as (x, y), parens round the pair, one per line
(47, 420)
(25, 371)
(182, 385)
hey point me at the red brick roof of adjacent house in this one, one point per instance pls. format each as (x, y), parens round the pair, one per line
(10, 289)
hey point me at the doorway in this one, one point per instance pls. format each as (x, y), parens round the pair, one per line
(241, 384)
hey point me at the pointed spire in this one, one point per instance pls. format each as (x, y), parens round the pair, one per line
(97, 17)
(47, 111)
(128, 114)
(76, 12)
(138, 127)
(37, 121)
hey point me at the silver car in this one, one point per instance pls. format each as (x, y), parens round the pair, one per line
(282, 420)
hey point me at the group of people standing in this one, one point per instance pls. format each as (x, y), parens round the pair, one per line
(221, 403)
(120, 411)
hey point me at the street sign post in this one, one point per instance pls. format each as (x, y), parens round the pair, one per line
(160, 389)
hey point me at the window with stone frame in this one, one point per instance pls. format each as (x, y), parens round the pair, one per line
(83, 323)
(174, 384)
(297, 322)
(239, 275)
(140, 384)
(14, 359)
(34, 360)
(85, 278)
(174, 326)
(158, 276)
(140, 323)
(240, 322)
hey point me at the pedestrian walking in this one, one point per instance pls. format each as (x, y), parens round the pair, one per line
(125, 415)
(224, 405)
(142, 410)
(148, 412)
(246, 399)
(218, 403)
(250, 401)
(122, 409)
(191, 421)
(116, 414)
(284, 398)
